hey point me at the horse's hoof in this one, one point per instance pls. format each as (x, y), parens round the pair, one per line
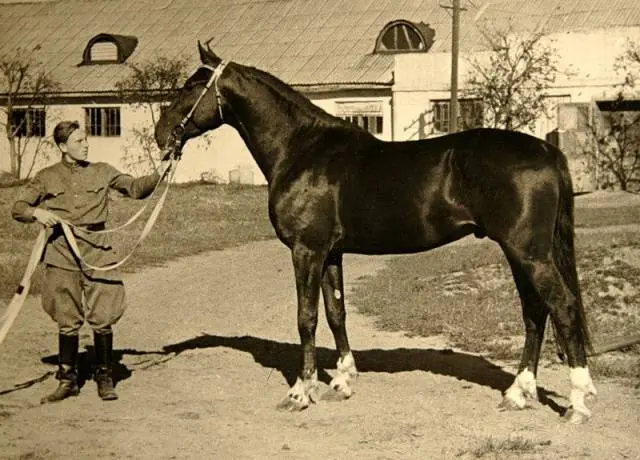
(291, 405)
(334, 395)
(576, 418)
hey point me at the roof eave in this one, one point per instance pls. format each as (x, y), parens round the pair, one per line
(332, 87)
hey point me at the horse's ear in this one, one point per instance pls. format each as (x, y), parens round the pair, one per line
(206, 55)
(203, 53)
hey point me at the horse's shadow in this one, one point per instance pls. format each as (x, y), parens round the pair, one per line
(284, 357)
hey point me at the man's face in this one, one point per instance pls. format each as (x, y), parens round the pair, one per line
(76, 147)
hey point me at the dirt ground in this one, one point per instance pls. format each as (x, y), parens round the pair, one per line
(209, 346)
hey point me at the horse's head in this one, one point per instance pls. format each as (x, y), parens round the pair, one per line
(196, 108)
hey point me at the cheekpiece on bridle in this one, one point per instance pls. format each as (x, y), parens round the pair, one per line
(178, 131)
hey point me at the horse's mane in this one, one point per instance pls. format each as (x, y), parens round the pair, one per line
(295, 98)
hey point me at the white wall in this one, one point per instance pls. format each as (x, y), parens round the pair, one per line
(586, 62)
(216, 154)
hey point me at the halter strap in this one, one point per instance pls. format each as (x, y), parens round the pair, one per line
(216, 72)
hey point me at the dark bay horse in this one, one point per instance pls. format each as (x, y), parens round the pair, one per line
(334, 189)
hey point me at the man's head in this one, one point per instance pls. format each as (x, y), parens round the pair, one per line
(71, 140)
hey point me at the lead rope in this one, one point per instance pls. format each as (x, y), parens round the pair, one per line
(14, 307)
(17, 301)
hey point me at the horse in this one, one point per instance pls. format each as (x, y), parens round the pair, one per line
(334, 188)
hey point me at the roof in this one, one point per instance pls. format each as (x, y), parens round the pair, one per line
(303, 42)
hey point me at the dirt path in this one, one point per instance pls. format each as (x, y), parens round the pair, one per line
(206, 351)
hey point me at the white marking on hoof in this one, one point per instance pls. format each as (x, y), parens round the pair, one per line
(301, 394)
(337, 294)
(347, 364)
(581, 387)
(346, 370)
(521, 392)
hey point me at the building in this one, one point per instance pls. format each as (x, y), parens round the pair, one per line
(382, 64)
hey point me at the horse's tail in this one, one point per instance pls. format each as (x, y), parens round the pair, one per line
(563, 245)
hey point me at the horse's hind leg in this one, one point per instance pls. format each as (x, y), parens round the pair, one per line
(565, 312)
(333, 293)
(534, 313)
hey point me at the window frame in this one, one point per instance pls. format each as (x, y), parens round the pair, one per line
(367, 114)
(98, 122)
(115, 49)
(402, 29)
(441, 107)
(31, 128)
(373, 123)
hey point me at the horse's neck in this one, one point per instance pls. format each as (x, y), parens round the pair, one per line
(266, 123)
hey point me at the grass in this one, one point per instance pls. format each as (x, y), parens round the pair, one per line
(195, 218)
(605, 216)
(497, 448)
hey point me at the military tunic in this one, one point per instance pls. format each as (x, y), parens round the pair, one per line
(79, 194)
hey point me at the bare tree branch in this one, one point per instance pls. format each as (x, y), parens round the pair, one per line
(512, 84)
(25, 84)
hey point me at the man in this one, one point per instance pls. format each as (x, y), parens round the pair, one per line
(76, 191)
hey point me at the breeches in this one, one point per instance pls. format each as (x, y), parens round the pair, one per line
(72, 297)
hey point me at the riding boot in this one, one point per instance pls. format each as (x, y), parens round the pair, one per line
(67, 370)
(103, 373)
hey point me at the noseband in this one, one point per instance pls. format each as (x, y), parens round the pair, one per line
(216, 72)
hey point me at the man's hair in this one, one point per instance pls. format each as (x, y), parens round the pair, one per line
(63, 130)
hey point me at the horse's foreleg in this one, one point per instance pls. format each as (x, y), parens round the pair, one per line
(307, 266)
(333, 293)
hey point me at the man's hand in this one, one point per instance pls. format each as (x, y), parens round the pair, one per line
(46, 218)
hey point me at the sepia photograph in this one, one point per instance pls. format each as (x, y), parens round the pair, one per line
(320, 229)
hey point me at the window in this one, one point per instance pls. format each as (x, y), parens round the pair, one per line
(109, 49)
(102, 121)
(104, 52)
(405, 36)
(372, 123)
(28, 122)
(367, 115)
(470, 114)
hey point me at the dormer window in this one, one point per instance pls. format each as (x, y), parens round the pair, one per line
(405, 37)
(109, 49)
(104, 52)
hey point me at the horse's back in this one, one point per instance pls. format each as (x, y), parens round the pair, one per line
(412, 196)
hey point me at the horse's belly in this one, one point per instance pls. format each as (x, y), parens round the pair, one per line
(402, 236)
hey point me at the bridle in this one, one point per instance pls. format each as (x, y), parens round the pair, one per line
(216, 72)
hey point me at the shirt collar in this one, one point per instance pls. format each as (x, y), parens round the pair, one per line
(75, 165)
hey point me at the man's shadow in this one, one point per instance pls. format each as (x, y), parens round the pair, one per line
(285, 358)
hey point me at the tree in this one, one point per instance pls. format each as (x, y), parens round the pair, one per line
(615, 148)
(513, 82)
(147, 85)
(27, 90)
(614, 142)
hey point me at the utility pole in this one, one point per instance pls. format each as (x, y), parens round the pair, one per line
(455, 39)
